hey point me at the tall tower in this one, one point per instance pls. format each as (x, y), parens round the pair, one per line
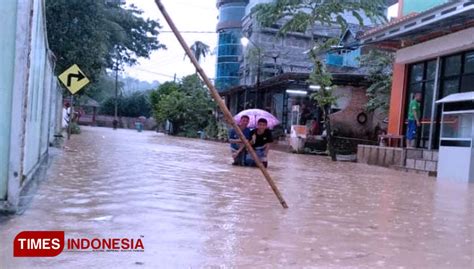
(229, 29)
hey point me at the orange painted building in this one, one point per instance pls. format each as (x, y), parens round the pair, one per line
(434, 56)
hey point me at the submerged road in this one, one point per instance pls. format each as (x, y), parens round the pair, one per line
(192, 209)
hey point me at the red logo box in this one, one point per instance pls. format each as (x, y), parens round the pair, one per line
(38, 244)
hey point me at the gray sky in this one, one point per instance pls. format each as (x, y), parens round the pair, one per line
(188, 15)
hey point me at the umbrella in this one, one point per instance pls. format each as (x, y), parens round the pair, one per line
(255, 115)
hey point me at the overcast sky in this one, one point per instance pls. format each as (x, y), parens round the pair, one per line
(188, 16)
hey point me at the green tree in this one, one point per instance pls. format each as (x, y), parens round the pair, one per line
(301, 16)
(187, 105)
(103, 88)
(200, 50)
(134, 105)
(163, 90)
(379, 64)
(97, 36)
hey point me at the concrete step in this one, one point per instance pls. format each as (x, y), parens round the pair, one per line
(429, 155)
(421, 164)
(414, 170)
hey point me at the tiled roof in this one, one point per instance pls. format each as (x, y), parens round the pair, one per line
(390, 24)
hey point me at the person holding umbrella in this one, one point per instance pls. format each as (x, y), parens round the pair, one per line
(236, 146)
(261, 139)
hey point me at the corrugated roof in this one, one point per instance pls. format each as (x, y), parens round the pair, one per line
(393, 22)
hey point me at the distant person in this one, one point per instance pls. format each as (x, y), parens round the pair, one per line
(66, 117)
(261, 138)
(414, 114)
(305, 114)
(237, 146)
(315, 129)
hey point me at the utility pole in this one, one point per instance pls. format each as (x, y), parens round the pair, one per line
(115, 122)
(259, 70)
(116, 94)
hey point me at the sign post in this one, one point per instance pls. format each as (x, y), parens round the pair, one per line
(74, 80)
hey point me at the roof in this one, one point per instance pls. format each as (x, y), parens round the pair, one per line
(418, 27)
(457, 97)
(285, 79)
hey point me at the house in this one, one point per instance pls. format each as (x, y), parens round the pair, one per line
(274, 72)
(434, 46)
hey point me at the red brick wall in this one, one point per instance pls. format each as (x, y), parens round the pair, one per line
(345, 121)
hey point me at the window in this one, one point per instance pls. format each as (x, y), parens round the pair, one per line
(228, 59)
(467, 84)
(231, 12)
(457, 126)
(450, 86)
(422, 77)
(452, 66)
(417, 73)
(457, 74)
(469, 63)
(431, 70)
(467, 80)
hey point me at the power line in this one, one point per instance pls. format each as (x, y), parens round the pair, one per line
(164, 31)
(189, 32)
(156, 73)
(153, 72)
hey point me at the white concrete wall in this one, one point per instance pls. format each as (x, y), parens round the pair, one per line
(7, 58)
(34, 101)
(38, 93)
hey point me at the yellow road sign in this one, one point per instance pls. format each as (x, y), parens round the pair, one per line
(74, 79)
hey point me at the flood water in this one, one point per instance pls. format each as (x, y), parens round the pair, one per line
(192, 209)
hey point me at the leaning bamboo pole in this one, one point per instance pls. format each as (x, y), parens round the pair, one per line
(222, 105)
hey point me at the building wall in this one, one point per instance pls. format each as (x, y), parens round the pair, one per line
(274, 54)
(410, 6)
(270, 54)
(7, 58)
(448, 44)
(352, 102)
(36, 91)
(442, 46)
(34, 98)
(229, 48)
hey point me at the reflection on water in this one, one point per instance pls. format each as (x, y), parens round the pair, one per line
(194, 209)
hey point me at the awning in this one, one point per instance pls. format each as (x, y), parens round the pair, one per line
(457, 97)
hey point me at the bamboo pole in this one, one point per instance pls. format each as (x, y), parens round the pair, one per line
(222, 105)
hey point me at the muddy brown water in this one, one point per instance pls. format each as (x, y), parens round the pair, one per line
(192, 209)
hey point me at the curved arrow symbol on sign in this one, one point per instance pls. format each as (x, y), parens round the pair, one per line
(79, 77)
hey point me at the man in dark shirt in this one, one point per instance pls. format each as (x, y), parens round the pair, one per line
(236, 146)
(261, 138)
